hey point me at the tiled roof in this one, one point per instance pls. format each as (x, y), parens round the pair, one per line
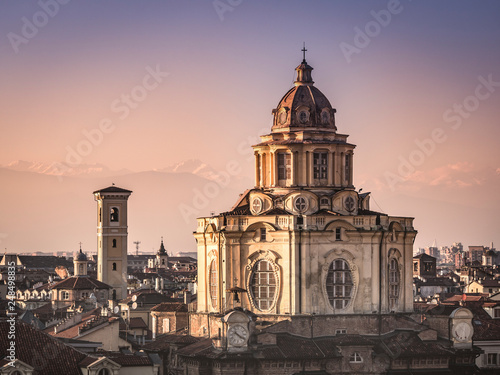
(112, 189)
(163, 342)
(137, 322)
(243, 210)
(408, 344)
(46, 354)
(146, 296)
(89, 324)
(44, 261)
(80, 282)
(182, 259)
(469, 297)
(201, 347)
(297, 347)
(424, 255)
(124, 360)
(490, 283)
(170, 307)
(434, 281)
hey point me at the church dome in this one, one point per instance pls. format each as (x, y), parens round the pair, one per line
(81, 256)
(304, 106)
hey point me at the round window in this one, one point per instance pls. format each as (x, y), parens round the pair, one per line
(257, 205)
(300, 204)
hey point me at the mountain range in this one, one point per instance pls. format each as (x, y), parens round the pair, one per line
(41, 210)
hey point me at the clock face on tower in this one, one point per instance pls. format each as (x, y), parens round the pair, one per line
(237, 335)
(461, 332)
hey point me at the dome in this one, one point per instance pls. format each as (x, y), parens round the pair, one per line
(81, 256)
(304, 106)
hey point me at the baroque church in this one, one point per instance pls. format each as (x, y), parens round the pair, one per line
(303, 240)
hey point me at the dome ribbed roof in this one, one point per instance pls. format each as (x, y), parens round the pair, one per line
(81, 256)
(304, 106)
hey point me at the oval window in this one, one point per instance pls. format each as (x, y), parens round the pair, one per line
(339, 284)
(263, 285)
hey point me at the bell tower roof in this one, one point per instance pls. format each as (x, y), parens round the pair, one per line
(162, 250)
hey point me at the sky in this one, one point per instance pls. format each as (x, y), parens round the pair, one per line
(144, 85)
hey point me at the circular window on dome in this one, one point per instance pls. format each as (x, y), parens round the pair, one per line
(257, 205)
(300, 204)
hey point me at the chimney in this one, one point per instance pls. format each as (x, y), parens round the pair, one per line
(187, 297)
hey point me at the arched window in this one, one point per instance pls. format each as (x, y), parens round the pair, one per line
(114, 242)
(339, 284)
(65, 295)
(114, 266)
(104, 371)
(213, 283)
(393, 284)
(80, 269)
(114, 214)
(263, 285)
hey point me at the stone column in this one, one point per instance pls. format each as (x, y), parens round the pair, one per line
(257, 169)
(273, 168)
(308, 168)
(330, 168)
(342, 169)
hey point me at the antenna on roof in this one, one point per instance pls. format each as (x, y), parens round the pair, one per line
(137, 243)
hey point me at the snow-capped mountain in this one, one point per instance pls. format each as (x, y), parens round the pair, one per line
(192, 166)
(60, 169)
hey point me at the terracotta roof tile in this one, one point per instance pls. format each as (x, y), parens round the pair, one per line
(80, 282)
(170, 307)
(46, 354)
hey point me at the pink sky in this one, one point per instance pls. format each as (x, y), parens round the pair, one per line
(218, 76)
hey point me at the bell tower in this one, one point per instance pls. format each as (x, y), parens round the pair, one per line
(112, 233)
